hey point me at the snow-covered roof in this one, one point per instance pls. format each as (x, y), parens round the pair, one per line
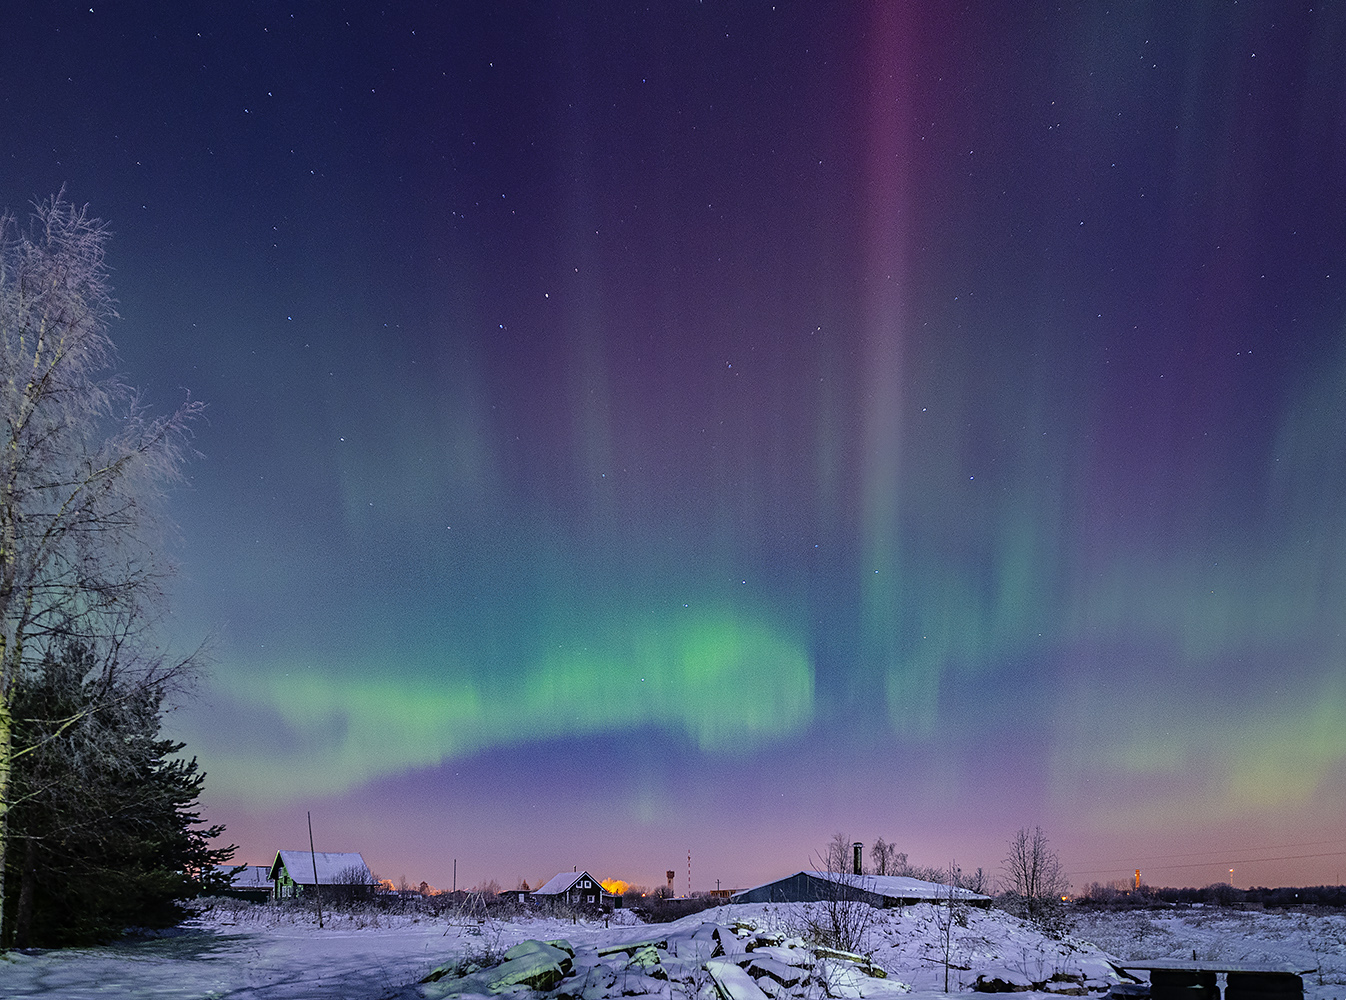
(334, 867)
(564, 882)
(898, 886)
(892, 886)
(251, 877)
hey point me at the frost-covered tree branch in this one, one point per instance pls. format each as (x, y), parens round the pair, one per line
(83, 466)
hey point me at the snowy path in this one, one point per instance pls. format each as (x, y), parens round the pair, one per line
(270, 964)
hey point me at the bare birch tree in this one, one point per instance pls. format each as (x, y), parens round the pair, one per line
(1033, 876)
(82, 464)
(886, 859)
(837, 856)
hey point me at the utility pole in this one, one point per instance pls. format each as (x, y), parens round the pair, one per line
(313, 857)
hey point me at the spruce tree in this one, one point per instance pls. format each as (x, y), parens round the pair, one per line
(104, 823)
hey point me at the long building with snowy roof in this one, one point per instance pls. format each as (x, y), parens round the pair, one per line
(877, 890)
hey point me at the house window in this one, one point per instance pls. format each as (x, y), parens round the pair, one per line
(591, 899)
(587, 884)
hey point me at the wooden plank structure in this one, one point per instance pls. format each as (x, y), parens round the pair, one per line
(1179, 979)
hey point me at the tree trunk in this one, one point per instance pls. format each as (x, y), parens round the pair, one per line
(23, 914)
(6, 752)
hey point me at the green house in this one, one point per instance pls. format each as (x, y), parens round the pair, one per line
(294, 873)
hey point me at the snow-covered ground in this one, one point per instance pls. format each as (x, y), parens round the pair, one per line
(244, 951)
(1314, 941)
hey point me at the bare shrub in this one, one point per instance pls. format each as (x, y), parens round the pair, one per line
(1034, 881)
(842, 917)
(351, 888)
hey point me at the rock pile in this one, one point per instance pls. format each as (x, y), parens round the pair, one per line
(709, 961)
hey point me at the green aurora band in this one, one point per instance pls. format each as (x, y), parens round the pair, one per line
(728, 684)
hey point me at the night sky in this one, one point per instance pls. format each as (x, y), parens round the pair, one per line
(712, 426)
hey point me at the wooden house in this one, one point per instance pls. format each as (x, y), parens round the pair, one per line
(294, 873)
(251, 882)
(576, 889)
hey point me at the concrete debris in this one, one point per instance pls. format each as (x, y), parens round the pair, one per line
(707, 961)
(732, 982)
(534, 965)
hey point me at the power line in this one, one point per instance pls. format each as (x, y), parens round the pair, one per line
(1209, 864)
(1217, 854)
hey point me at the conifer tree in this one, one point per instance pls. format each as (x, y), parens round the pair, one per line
(104, 822)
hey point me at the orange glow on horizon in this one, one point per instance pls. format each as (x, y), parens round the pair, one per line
(616, 886)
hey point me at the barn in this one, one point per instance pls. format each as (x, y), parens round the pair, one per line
(877, 890)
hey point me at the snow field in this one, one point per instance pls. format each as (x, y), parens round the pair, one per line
(254, 952)
(1307, 940)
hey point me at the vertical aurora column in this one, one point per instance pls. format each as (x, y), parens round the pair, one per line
(887, 103)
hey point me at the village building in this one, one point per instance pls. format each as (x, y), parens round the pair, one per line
(251, 882)
(877, 890)
(294, 873)
(576, 889)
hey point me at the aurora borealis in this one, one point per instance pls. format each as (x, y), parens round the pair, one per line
(712, 426)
